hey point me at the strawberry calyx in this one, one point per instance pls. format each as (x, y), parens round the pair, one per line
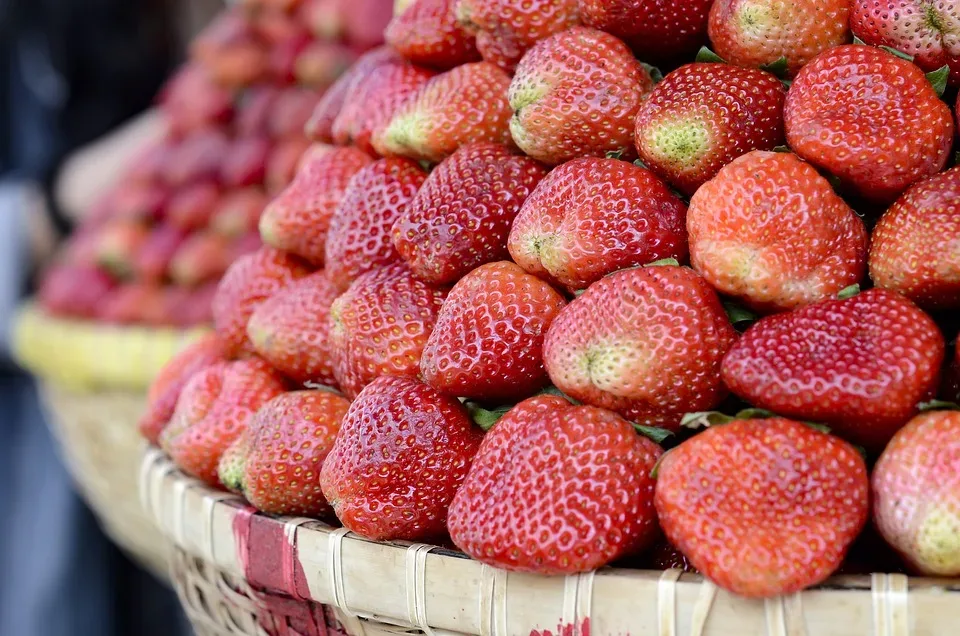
(653, 433)
(848, 292)
(938, 405)
(939, 78)
(707, 56)
(738, 314)
(316, 386)
(655, 73)
(706, 419)
(483, 417)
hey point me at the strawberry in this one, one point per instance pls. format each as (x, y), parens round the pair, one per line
(197, 157)
(426, 32)
(169, 382)
(195, 306)
(915, 247)
(575, 94)
(149, 164)
(319, 127)
(488, 340)
(248, 282)
(297, 220)
(290, 112)
(191, 100)
(380, 326)
(664, 556)
(464, 105)
(755, 33)
(283, 55)
(233, 461)
(319, 64)
(364, 21)
(283, 163)
(771, 231)
(763, 507)
(245, 244)
(192, 206)
(151, 260)
(505, 29)
(645, 342)
(557, 489)
(238, 212)
(292, 434)
(290, 330)
(137, 201)
(213, 410)
(703, 116)
(231, 50)
(662, 31)
(359, 239)
(371, 103)
(203, 257)
(246, 162)
(922, 29)
(590, 217)
(324, 18)
(118, 245)
(74, 290)
(254, 108)
(133, 303)
(877, 142)
(401, 454)
(916, 502)
(861, 365)
(461, 216)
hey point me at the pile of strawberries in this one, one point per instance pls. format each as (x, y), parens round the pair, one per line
(153, 248)
(564, 308)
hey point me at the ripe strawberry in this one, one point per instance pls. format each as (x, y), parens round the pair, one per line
(661, 31)
(590, 217)
(283, 164)
(118, 244)
(254, 108)
(461, 216)
(575, 94)
(703, 116)
(248, 282)
(290, 112)
(665, 556)
(506, 29)
(238, 212)
(319, 127)
(203, 257)
(359, 237)
(922, 29)
(488, 340)
(213, 410)
(755, 33)
(381, 325)
(292, 435)
(148, 165)
(192, 206)
(245, 244)
(166, 387)
(763, 507)
(546, 462)
(364, 21)
(297, 220)
(195, 306)
(197, 157)
(465, 105)
(771, 231)
(320, 63)
(152, 259)
(916, 502)
(644, 342)
(324, 18)
(371, 103)
(283, 55)
(246, 162)
(133, 303)
(191, 100)
(915, 248)
(401, 454)
(74, 290)
(426, 32)
(860, 365)
(232, 462)
(877, 142)
(137, 201)
(231, 50)
(290, 330)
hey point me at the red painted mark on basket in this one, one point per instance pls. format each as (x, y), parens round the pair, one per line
(566, 629)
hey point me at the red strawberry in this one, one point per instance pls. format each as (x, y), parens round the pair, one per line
(283, 163)
(246, 162)
(233, 461)
(290, 330)
(925, 30)
(951, 379)
(916, 502)
(118, 245)
(292, 435)
(645, 342)
(860, 365)
(245, 244)
(915, 248)
(166, 387)
(149, 165)
(381, 325)
(204, 256)
(195, 306)
(324, 18)
(755, 33)
(191, 100)
(248, 282)
(557, 489)
(763, 507)
(254, 110)
(320, 125)
(283, 56)
(576, 94)
(238, 212)
(465, 105)
(320, 63)
(74, 290)
(664, 556)
(401, 454)
(137, 201)
(297, 220)
(358, 239)
(877, 142)
(488, 340)
(197, 157)
(213, 410)
(770, 230)
(290, 112)
(461, 216)
(192, 206)
(666, 30)
(133, 303)
(591, 217)
(231, 50)
(703, 116)
(426, 32)
(505, 29)
(152, 259)
(365, 20)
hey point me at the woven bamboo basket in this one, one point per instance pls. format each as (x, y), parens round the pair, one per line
(93, 381)
(240, 573)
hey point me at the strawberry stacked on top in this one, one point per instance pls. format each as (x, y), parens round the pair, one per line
(525, 293)
(153, 248)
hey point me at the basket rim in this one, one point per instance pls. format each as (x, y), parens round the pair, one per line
(426, 587)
